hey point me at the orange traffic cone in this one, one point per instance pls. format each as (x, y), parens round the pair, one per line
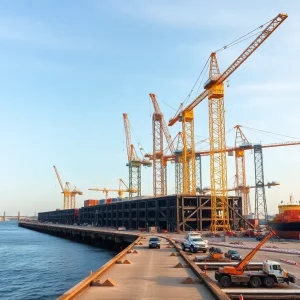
(241, 297)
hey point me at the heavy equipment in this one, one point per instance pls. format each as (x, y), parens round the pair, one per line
(272, 272)
(159, 129)
(120, 191)
(214, 90)
(134, 162)
(69, 195)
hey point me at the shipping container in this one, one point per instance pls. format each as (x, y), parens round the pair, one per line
(109, 200)
(90, 202)
(115, 199)
(102, 201)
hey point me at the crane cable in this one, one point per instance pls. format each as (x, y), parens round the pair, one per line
(264, 131)
(241, 39)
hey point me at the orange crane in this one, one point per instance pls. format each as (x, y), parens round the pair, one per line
(120, 191)
(214, 90)
(272, 272)
(69, 196)
(134, 162)
(159, 128)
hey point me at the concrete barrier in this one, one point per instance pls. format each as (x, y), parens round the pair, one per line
(86, 283)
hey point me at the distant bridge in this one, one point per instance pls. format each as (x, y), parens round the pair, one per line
(18, 217)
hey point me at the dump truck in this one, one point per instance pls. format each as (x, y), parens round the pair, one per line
(271, 274)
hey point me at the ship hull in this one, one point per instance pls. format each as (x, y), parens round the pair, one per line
(289, 230)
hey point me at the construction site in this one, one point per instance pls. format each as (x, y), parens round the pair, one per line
(217, 207)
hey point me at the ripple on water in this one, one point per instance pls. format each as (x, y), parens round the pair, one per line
(38, 266)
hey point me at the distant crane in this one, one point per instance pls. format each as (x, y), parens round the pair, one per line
(120, 191)
(69, 196)
(134, 162)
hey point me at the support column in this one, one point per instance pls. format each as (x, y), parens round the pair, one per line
(261, 211)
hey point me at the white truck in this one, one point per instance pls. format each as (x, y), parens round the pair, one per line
(194, 242)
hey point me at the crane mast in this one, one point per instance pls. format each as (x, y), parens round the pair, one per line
(240, 169)
(159, 129)
(214, 90)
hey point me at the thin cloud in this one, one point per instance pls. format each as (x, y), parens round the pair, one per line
(37, 33)
(193, 14)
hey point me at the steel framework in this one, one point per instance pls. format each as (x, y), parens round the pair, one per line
(218, 162)
(214, 89)
(134, 163)
(159, 182)
(188, 153)
(261, 211)
(198, 173)
(241, 143)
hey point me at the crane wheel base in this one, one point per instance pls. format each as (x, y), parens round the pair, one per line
(225, 281)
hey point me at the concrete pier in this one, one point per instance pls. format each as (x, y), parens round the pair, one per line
(151, 274)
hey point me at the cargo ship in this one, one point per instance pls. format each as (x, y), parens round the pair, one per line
(287, 222)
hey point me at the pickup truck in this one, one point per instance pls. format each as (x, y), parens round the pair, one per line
(195, 243)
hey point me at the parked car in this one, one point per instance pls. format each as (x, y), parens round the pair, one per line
(154, 242)
(233, 254)
(194, 242)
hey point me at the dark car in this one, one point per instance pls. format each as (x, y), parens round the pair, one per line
(154, 242)
(233, 254)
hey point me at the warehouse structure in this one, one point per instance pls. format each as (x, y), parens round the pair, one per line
(171, 213)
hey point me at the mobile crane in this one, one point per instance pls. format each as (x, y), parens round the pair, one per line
(270, 274)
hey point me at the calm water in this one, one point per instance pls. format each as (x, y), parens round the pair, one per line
(39, 266)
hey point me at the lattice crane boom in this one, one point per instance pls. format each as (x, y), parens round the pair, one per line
(59, 179)
(65, 190)
(164, 124)
(236, 64)
(131, 153)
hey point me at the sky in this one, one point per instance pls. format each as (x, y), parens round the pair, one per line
(69, 69)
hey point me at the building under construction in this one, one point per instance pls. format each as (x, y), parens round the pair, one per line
(171, 213)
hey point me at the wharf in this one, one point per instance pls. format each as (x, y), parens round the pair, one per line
(151, 275)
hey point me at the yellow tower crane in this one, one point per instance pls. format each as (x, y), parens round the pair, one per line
(214, 90)
(120, 191)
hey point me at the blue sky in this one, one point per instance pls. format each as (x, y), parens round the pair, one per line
(69, 69)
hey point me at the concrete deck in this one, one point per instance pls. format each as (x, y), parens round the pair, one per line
(151, 275)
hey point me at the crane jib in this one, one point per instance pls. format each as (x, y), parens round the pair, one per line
(271, 27)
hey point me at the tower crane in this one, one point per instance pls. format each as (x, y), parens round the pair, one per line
(159, 128)
(214, 90)
(120, 191)
(69, 196)
(134, 162)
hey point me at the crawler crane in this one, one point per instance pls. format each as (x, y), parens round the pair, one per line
(272, 272)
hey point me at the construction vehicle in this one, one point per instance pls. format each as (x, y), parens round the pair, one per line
(270, 274)
(215, 255)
